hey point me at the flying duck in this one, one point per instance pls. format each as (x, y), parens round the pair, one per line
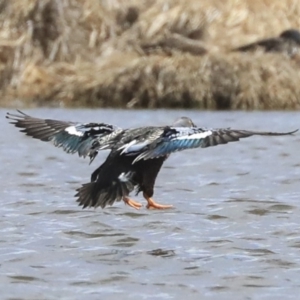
(136, 154)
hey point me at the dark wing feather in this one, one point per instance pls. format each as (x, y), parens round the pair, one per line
(178, 139)
(86, 139)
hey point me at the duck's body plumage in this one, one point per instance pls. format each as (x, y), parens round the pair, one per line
(136, 155)
(117, 177)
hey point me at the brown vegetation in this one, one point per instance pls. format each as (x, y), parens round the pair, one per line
(147, 53)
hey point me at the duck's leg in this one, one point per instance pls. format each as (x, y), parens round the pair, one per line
(132, 203)
(154, 205)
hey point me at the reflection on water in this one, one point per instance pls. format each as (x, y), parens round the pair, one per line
(233, 232)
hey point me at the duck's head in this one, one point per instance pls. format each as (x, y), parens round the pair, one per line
(183, 122)
(291, 34)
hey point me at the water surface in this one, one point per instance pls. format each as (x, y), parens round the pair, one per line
(233, 233)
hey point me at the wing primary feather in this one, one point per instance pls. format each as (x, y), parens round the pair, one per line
(70, 136)
(178, 139)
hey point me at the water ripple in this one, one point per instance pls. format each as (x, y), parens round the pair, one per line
(233, 232)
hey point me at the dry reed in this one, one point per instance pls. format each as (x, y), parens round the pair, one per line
(139, 53)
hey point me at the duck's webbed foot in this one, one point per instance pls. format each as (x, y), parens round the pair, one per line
(132, 203)
(154, 205)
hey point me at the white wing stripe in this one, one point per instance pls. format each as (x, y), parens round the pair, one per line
(73, 131)
(126, 146)
(195, 136)
(133, 147)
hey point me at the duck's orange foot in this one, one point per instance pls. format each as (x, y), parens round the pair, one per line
(153, 205)
(132, 203)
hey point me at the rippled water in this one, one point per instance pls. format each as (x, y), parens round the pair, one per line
(233, 234)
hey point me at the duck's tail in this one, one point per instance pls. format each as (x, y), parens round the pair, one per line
(102, 192)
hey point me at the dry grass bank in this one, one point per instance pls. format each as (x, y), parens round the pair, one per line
(141, 53)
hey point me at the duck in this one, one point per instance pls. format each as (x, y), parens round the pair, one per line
(136, 154)
(287, 42)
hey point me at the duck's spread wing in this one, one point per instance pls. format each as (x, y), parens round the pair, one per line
(178, 139)
(84, 138)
